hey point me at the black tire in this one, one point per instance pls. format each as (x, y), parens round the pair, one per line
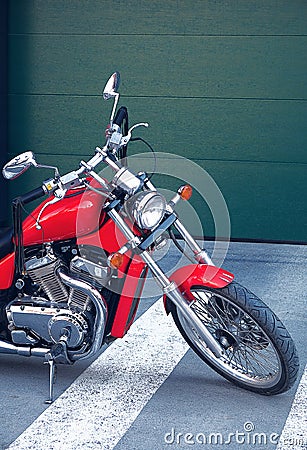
(259, 354)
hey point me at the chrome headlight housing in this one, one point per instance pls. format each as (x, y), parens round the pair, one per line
(146, 209)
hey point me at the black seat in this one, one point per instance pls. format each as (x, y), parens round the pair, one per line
(6, 241)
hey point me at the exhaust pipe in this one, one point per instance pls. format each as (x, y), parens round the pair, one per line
(11, 349)
(101, 313)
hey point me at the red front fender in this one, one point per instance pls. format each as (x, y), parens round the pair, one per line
(199, 275)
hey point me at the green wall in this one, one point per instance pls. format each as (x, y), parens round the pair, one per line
(220, 82)
(3, 108)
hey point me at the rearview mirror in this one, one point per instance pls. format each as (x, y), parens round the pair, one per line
(111, 88)
(18, 165)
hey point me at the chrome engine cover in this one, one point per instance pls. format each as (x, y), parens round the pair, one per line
(65, 305)
(30, 322)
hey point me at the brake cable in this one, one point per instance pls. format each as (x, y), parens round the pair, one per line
(153, 152)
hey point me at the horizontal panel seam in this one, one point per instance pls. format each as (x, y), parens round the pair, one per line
(170, 97)
(157, 34)
(247, 161)
(239, 161)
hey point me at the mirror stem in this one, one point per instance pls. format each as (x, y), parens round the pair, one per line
(116, 97)
(43, 166)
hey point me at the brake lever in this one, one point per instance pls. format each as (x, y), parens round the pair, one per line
(126, 139)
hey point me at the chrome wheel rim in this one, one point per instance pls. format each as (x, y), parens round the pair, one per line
(249, 355)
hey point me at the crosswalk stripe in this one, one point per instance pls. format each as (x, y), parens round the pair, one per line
(294, 434)
(102, 403)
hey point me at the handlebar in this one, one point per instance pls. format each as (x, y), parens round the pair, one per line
(32, 195)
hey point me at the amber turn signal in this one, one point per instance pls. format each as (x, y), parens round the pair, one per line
(116, 260)
(185, 192)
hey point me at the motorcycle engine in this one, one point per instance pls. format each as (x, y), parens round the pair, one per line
(54, 309)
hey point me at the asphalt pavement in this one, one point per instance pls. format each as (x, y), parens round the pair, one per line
(192, 400)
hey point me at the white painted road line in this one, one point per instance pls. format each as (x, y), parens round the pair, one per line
(294, 434)
(102, 403)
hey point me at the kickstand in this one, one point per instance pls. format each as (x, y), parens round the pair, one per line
(52, 377)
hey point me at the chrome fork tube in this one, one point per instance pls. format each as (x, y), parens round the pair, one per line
(199, 254)
(171, 290)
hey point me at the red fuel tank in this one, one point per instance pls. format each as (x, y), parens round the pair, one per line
(79, 213)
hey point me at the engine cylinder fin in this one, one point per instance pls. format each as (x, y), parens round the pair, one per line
(43, 272)
(78, 300)
(89, 272)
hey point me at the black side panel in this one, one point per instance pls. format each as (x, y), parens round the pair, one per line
(112, 299)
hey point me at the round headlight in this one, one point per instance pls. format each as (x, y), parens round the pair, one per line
(146, 209)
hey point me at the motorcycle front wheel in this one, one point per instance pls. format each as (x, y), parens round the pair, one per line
(258, 352)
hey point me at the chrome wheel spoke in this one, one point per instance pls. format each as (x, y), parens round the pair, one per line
(264, 359)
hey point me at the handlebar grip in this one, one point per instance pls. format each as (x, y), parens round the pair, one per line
(121, 114)
(32, 195)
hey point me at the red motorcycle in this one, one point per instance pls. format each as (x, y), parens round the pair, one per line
(72, 273)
